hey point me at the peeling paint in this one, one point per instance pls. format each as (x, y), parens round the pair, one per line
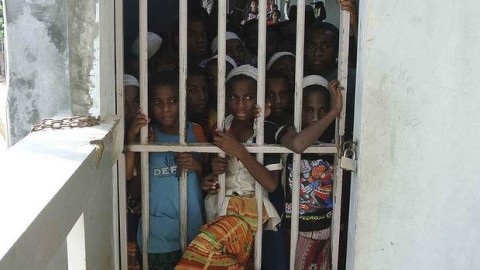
(82, 29)
(37, 79)
(51, 54)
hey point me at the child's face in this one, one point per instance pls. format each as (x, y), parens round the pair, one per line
(211, 73)
(164, 103)
(235, 50)
(275, 17)
(253, 6)
(132, 101)
(241, 99)
(285, 65)
(278, 94)
(315, 107)
(320, 51)
(197, 94)
(197, 39)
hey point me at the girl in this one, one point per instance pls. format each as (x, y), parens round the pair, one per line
(320, 108)
(279, 93)
(226, 242)
(198, 107)
(164, 239)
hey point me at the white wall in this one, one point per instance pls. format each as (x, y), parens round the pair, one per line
(416, 198)
(53, 54)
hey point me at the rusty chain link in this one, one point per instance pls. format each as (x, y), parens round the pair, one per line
(69, 122)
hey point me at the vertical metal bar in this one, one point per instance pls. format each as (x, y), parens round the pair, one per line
(143, 63)
(222, 28)
(344, 39)
(261, 60)
(182, 117)
(121, 178)
(298, 126)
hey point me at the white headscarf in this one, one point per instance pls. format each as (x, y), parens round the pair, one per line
(277, 56)
(230, 60)
(246, 70)
(228, 36)
(314, 80)
(154, 42)
(130, 80)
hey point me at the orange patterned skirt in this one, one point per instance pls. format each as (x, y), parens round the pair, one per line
(225, 242)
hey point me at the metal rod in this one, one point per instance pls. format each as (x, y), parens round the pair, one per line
(122, 189)
(183, 64)
(208, 148)
(143, 63)
(222, 28)
(343, 51)
(261, 65)
(298, 125)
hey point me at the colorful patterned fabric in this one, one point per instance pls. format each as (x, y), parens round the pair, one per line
(132, 256)
(225, 242)
(313, 254)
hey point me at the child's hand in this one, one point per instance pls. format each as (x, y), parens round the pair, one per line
(228, 144)
(188, 162)
(210, 184)
(268, 110)
(139, 121)
(336, 101)
(219, 165)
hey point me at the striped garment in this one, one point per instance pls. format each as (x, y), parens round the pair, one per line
(225, 242)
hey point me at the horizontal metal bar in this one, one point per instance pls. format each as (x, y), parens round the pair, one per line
(210, 148)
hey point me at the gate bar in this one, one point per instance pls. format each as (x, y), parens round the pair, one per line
(121, 177)
(261, 68)
(343, 51)
(183, 63)
(221, 74)
(298, 126)
(143, 63)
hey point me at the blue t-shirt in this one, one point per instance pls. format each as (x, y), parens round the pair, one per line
(165, 199)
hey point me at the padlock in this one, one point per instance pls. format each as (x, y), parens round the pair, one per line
(348, 163)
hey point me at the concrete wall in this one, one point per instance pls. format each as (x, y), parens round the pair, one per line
(52, 48)
(415, 200)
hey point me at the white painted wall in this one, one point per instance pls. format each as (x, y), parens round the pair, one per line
(416, 197)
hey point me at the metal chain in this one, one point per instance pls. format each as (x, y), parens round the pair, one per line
(69, 122)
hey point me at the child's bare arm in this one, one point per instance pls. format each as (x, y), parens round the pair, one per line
(268, 179)
(298, 142)
(130, 157)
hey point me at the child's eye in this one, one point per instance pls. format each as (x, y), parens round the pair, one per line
(173, 100)
(156, 102)
(308, 109)
(249, 97)
(192, 90)
(310, 46)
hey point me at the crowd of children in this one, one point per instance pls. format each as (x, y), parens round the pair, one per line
(223, 239)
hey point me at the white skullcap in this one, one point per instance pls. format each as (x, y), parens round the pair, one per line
(246, 70)
(277, 56)
(230, 60)
(130, 80)
(228, 36)
(154, 42)
(314, 80)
